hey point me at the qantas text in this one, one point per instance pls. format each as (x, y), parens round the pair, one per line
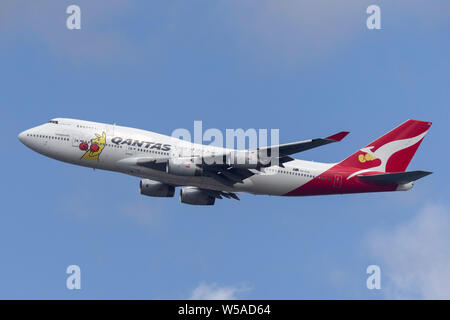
(141, 144)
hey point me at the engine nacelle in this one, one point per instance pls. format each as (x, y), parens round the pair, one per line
(183, 167)
(195, 196)
(156, 189)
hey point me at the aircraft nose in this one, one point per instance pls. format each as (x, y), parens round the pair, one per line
(22, 136)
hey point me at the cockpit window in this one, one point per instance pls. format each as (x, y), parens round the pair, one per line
(53, 121)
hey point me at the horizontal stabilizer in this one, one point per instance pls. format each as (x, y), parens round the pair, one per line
(395, 177)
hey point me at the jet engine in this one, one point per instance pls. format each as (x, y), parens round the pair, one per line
(195, 196)
(183, 167)
(156, 189)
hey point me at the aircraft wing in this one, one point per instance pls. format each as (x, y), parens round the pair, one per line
(295, 147)
(153, 163)
(222, 173)
(230, 174)
(148, 162)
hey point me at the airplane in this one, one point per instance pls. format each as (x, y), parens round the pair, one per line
(206, 173)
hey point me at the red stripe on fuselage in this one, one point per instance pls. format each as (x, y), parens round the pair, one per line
(334, 181)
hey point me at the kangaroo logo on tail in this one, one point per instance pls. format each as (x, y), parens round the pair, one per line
(95, 149)
(365, 157)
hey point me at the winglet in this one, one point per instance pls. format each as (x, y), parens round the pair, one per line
(338, 136)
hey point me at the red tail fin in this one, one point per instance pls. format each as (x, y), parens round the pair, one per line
(393, 151)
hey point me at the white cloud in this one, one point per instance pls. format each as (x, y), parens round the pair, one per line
(415, 257)
(214, 292)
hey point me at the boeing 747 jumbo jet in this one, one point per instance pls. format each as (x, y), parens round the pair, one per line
(207, 173)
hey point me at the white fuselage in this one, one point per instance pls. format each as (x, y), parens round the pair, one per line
(60, 139)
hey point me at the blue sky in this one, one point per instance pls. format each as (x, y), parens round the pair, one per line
(308, 68)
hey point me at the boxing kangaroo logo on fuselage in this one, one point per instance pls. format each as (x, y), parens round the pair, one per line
(94, 150)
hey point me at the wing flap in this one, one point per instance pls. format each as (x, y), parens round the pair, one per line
(219, 194)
